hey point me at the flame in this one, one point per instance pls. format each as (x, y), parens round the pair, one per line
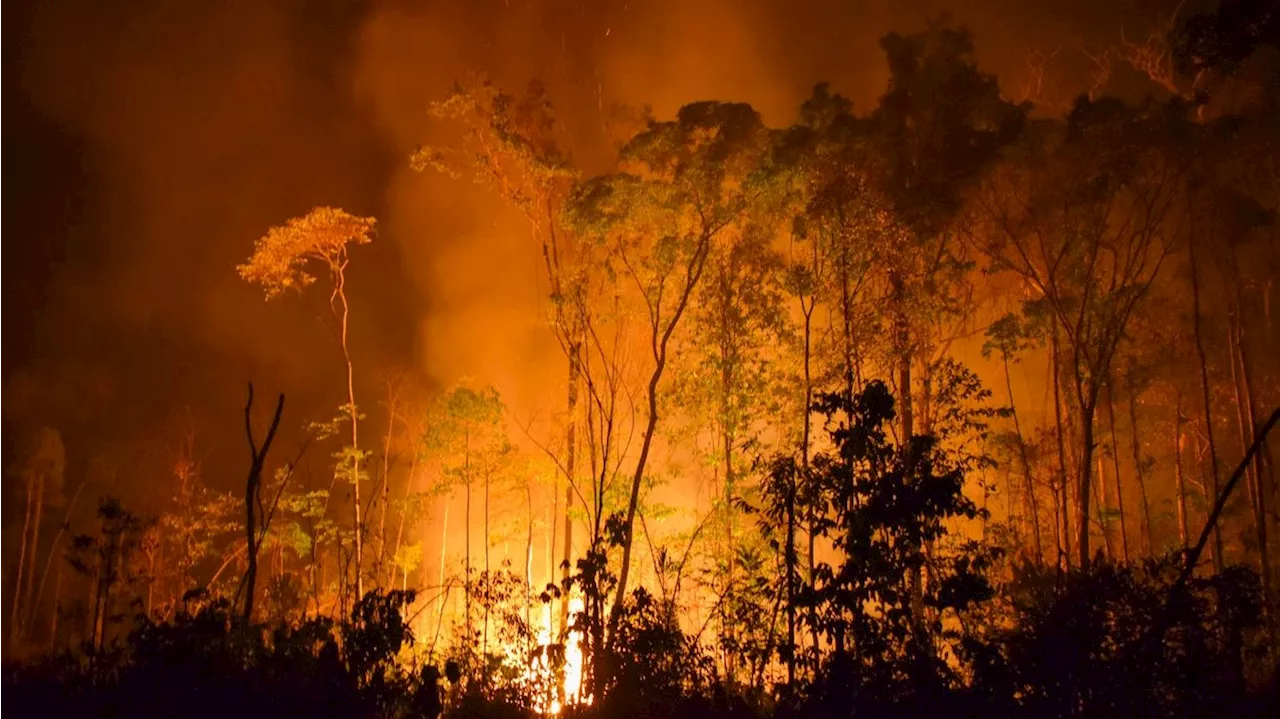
(571, 687)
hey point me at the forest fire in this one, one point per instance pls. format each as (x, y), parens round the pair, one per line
(695, 361)
(570, 689)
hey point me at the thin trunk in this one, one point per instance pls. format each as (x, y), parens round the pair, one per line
(1249, 411)
(1180, 480)
(1205, 481)
(660, 338)
(1082, 491)
(444, 541)
(488, 577)
(252, 500)
(408, 489)
(53, 548)
(1100, 496)
(151, 582)
(553, 511)
(466, 552)
(571, 459)
(726, 440)
(95, 597)
(846, 312)
(35, 555)
(1115, 461)
(1063, 486)
(651, 426)
(1029, 482)
(528, 558)
(386, 485)
(1205, 395)
(355, 440)
(791, 583)
(907, 432)
(57, 610)
(1138, 473)
(1245, 430)
(21, 573)
(810, 505)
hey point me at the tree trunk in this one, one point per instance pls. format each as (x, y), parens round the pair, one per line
(1115, 461)
(1100, 496)
(408, 489)
(21, 574)
(57, 610)
(528, 557)
(571, 460)
(36, 517)
(53, 548)
(1026, 464)
(1082, 491)
(660, 337)
(1063, 486)
(1257, 474)
(807, 429)
(726, 442)
(488, 575)
(1138, 474)
(791, 584)
(444, 541)
(386, 486)
(846, 316)
(466, 553)
(907, 431)
(1180, 480)
(358, 528)
(252, 500)
(1205, 395)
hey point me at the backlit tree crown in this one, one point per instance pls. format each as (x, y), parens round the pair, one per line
(280, 257)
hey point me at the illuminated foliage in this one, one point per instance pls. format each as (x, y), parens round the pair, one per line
(280, 257)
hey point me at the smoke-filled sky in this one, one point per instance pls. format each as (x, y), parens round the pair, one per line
(149, 143)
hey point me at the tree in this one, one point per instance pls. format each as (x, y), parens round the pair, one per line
(106, 559)
(1082, 214)
(684, 183)
(727, 376)
(510, 146)
(255, 526)
(1007, 336)
(938, 127)
(41, 473)
(882, 503)
(467, 433)
(280, 263)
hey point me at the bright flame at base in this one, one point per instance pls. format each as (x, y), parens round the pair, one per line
(570, 690)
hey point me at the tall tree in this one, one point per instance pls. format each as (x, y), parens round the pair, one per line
(280, 263)
(467, 433)
(684, 184)
(40, 471)
(728, 374)
(938, 126)
(1083, 215)
(511, 146)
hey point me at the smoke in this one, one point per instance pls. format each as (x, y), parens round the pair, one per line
(161, 139)
(472, 256)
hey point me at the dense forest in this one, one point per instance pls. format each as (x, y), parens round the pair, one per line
(956, 403)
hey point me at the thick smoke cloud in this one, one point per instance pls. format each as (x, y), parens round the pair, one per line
(150, 143)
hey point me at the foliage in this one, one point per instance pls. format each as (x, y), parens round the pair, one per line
(280, 257)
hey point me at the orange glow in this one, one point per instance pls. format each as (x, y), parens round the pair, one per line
(571, 688)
